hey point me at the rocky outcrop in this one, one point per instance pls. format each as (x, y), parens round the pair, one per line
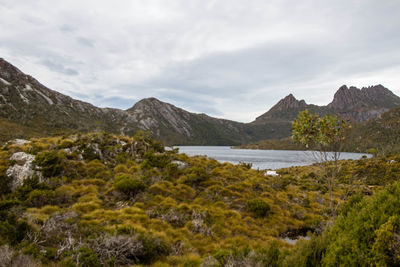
(22, 169)
(289, 102)
(349, 103)
(19, 142)
(285, 109)
(151, 112)
(362, 104)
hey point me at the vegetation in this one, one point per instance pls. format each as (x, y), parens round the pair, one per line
(365, 234)
(274, 144)
(376, 136)
(325, 137)
(106, 200)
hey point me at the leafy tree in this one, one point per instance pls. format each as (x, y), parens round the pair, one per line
(325, 136)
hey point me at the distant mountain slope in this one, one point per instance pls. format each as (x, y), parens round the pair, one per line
(32, 109)
(381, 133)
(36, 110)
(23, 100)
(178, 126)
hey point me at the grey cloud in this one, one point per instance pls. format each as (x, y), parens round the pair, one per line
(67, 28)
(57, 67)
(85, 41)
(224, 58)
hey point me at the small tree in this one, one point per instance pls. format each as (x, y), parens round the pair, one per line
(325, 137)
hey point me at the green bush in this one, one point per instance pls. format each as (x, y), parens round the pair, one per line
(153, 248)
(89, 153)
(87, 258)
(196, 176)
(66, 143)
(38, 198)
(155, 160)
(50, 163)
(258, 207)
(12, 230)
(128, 185)
(30, 184)
(4, 184)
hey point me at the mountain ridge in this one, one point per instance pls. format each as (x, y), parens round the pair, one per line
(349, 103)
(25, 101)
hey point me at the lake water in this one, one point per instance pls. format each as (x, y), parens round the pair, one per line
(262, 159)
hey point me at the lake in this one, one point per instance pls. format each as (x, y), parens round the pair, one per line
(261, 159)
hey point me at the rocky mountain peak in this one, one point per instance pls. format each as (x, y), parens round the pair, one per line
(149, 104)
(346, 97)
(368, 97)
(152, 113)
(283, 108)
(289, 102)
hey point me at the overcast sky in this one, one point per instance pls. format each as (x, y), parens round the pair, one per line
(230, 59)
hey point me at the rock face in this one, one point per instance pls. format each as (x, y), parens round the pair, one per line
(363, 104)
(286, 109)
(177, 126)
(353, 104)
(22, 169)
(151, 113)
(289, 102)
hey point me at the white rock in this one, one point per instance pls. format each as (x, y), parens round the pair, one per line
(67, 150)
(5, 82)
(22, 169)
(45, 97)
(21, 158)
(28, 87)
(20, 142)
(272, 173)
(181, 164)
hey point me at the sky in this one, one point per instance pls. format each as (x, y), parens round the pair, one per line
(229, 59)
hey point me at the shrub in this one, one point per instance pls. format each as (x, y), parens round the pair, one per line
(258, 207)
(50, 163)
(66, 143)
(4, 184)
(153, 248)
(13, 230)
(155, 160)
(128, 185)
(39, 198)
(195, 176)
(87, 258)
(127, 250)
(89, 153)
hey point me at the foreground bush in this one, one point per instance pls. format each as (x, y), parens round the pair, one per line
(128, 185)
(258, 207)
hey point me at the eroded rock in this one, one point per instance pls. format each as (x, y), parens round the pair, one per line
(20, 142)
(22, 169)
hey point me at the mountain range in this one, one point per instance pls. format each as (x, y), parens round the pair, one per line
(28, 108)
